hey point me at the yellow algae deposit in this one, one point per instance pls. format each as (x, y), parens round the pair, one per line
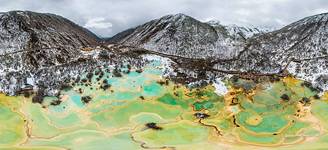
(254, 120)
(12, 127)
(123, 109)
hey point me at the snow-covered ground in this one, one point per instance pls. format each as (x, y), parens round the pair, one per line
(168, 70)
(165, 67)
(220, 87)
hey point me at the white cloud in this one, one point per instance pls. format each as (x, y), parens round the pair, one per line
(109, 17)
(98, 23)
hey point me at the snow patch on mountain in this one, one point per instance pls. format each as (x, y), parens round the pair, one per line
(25, 30)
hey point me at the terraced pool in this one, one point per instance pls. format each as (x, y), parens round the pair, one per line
(250, 114)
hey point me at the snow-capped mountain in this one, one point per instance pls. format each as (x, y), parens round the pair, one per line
(185, 36)
(39, 39)
(21, 30)
(303, 39)
(175, 34)
(244, 47)
(240, 29)
(43, 46)
(30, 42)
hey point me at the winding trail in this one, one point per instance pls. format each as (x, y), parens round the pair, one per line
(244, 75)
(30, 50)
(248, 75)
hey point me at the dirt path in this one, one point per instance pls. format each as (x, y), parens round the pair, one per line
(248, 75)
(30, 50)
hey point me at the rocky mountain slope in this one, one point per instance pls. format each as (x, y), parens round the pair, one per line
(244, 48)
(303, 39)
(92, 34)
(31, 41)
(46, 47)
(234, 31)
(185, 36)
(39, 40)
(21, 30)
(174, 34)
(120, 36)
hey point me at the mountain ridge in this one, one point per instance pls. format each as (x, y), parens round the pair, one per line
(238, 34)
(182, 35)
(35, 46)
(260, 51)
(40, 30)
(32, 42)
(177, 29)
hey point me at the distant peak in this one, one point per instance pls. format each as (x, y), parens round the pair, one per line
(176, 17)
(180, 15)
(213, 22)
(241, 24)
(319, 15)
(20, 12)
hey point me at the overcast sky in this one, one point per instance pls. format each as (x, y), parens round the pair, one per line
(108, 17)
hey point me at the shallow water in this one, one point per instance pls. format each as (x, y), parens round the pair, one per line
(250, 114)
(179, 133)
